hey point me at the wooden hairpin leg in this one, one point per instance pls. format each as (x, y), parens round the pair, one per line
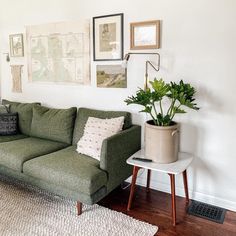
(79, 208)
(172, 180)
(185, 180)
(148, 180)
(132, 189)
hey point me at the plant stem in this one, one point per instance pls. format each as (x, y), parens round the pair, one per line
(154, 120)
(154, 107)
(175, 112)
(161, 108)
(172, 107)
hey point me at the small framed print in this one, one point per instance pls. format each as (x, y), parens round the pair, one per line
(111, 76)
(145, 35)
(16, 45)
(108, 37)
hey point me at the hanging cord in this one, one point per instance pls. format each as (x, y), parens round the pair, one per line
(139, 174)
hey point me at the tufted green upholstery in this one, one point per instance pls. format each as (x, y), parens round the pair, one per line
(53, 124)
(69, 169)
(84, 113)
(25, 112)
(13, 154)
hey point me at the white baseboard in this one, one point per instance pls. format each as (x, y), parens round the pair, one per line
(202, 197)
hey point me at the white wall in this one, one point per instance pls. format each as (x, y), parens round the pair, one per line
(198, 45)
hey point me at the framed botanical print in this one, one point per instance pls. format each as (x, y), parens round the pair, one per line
(145, 35)
(108, 37)
(16, 45)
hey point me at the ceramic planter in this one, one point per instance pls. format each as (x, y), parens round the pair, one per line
(161, 142)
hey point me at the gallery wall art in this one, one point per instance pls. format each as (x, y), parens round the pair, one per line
(108, 37)
(111, 76)
(145, 35)
(59, 52)
(16, 45)
(16, 71)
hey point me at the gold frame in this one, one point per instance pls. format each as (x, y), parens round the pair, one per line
(11, 44)
(140, 24)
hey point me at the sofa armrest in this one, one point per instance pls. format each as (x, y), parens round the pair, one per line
(115, 151)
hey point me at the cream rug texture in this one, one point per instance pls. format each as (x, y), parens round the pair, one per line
(29, 211)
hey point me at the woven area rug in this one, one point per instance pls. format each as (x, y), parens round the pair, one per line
(29, 211)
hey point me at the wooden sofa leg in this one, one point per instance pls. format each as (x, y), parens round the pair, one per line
(79, 208)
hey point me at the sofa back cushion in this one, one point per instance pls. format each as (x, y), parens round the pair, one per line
(25, 112)
(84, 113)
(53, 124)
(4, 109)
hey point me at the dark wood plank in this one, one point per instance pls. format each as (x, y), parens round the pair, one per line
(154, 207)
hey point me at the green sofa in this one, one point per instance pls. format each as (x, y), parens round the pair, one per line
(44, 152)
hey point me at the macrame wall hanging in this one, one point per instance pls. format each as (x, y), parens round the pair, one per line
(16, 78)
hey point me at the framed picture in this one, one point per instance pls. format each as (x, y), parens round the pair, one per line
(111, 76)
(16, 45)
(145, 35)
(108, 37)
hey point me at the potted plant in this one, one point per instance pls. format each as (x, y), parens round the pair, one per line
(161, 132)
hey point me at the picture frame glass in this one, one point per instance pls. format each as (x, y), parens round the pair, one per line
(108, 37)
(16, 45)
(111, 76)
(145, 35)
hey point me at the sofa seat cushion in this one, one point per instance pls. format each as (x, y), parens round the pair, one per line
(69, 169)
(13, 154)
(8, 138)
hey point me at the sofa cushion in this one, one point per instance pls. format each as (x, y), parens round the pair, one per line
(69, 169)
(4, 109)
(84, 113)
(53, 124)
(96, 130)
(25, 112)
(13, 154)
(8, 138)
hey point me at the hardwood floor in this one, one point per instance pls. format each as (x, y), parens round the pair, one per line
(154, 207)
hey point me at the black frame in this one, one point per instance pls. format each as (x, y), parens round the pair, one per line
(121, 39)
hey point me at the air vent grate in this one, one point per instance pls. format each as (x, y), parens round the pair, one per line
(207, 211)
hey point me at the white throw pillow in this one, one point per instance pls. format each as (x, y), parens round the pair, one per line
(95, 131)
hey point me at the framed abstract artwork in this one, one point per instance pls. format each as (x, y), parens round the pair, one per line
(16, 45)
(108, 37)
(145, 35)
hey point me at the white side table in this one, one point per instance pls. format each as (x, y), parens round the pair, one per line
(171, 169)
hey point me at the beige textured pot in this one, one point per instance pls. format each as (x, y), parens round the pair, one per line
(161, 142)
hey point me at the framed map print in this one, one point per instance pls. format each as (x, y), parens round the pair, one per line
(16, 45)
(59, 52)
(108, 37)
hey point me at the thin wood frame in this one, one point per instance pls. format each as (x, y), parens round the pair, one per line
(156, 23)
(11, 38)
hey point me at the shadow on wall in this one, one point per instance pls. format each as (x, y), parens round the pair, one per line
(192, 141)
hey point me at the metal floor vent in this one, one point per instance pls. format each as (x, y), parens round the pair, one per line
(207, 211)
